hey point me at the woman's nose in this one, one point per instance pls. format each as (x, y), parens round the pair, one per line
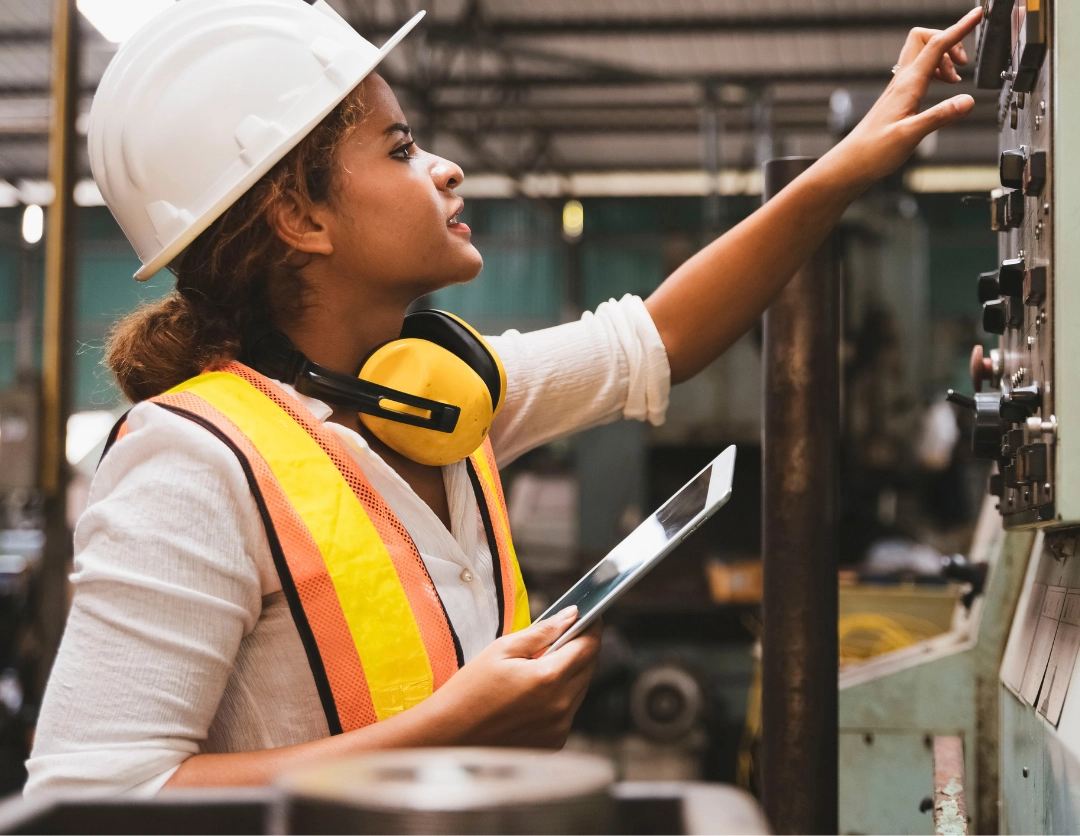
(446, 174)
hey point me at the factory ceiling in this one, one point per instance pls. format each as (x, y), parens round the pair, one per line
(524, 89)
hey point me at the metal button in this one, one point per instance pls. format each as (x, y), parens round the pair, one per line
(466, 575)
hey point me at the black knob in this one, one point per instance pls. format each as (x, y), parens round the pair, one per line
(1011, 168)
(989, 428)
(958, 568)
(1035, 173)
(995, 316)
(1021, 403)
(989, 287)
(1011, 277)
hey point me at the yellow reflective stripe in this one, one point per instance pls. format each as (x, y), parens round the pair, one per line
(372, 598)
(499, 518)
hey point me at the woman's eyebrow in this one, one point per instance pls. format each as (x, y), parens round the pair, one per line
(398, 128)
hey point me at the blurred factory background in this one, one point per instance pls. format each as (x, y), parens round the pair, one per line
(604, 142)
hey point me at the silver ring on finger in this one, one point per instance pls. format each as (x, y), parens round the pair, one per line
(895, 68)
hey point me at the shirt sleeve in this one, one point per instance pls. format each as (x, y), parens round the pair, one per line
(165, 587)
(607, 365)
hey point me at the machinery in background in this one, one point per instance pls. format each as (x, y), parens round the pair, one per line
(21, 546)
(893, 706)
(1027, 421)
(1001, 679)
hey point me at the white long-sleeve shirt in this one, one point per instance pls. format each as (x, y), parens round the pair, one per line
(180, 640)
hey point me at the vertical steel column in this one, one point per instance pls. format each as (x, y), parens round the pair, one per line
(58, 343)
(799, 645)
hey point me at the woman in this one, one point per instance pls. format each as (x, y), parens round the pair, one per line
(191, 655)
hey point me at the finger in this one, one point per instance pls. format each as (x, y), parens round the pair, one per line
(947, 71)
(576, 654)
(941, 115)
(914, 44)
(931, 54)
(958, 54)
(530, 641)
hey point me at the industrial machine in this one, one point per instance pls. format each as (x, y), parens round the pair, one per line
(1002, 678)
(1033, 403)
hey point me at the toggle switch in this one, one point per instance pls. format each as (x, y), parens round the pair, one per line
(1031, 464)
(1014, 209)
(1011, 168)
(1035, 174)
(1035, 286)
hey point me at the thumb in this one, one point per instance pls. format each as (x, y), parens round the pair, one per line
(528, 642)
(942, 114)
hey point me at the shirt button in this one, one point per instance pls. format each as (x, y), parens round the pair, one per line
(466, 575)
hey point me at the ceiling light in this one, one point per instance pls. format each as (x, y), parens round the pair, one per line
(33, 224)
(573, 219)
(118, 20)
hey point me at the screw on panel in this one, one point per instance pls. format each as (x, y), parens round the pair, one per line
(1025, 772)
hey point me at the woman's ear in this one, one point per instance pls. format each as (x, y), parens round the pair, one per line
(296, 222)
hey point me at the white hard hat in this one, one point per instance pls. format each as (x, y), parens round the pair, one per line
(205, 99)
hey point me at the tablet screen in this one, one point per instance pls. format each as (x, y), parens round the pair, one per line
(646, 541)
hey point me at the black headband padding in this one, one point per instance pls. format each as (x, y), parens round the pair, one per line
(445, 331)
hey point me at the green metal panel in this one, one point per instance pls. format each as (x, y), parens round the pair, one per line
(883, 778)
(1047, 798)
(955, 693)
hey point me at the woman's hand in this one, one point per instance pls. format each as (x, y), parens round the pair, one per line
(889, 133)
(713, 298)
(505, 697)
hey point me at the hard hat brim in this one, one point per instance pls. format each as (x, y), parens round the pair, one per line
(175, 247)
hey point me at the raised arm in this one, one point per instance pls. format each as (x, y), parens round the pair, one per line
(712, 299)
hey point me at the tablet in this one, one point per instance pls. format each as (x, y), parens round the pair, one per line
(647, 545)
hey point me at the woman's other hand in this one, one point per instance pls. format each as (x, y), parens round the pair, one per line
(506, 697)
(889, 133)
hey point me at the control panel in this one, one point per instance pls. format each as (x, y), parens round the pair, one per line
(1018, 394)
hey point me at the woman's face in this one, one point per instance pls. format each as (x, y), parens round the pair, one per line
(392, 218)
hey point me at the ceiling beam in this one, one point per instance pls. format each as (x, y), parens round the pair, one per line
(696, 25)
(610, 26)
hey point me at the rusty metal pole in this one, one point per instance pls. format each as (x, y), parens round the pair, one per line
(58, 343)
(799, 644)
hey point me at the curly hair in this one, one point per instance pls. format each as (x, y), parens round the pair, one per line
(236, 279)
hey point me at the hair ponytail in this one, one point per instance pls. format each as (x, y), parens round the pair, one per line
(236, 280)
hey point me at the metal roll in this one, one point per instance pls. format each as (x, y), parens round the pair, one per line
(666, 703)
(454, 791)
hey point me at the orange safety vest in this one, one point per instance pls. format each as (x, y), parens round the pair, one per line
(375, 631)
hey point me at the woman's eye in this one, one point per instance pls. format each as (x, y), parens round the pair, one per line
(403, 152)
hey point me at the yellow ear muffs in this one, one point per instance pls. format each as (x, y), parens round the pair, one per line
(440, 358)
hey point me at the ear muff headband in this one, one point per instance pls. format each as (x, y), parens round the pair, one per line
(459, 338)
(437, 355)
(275, 356)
